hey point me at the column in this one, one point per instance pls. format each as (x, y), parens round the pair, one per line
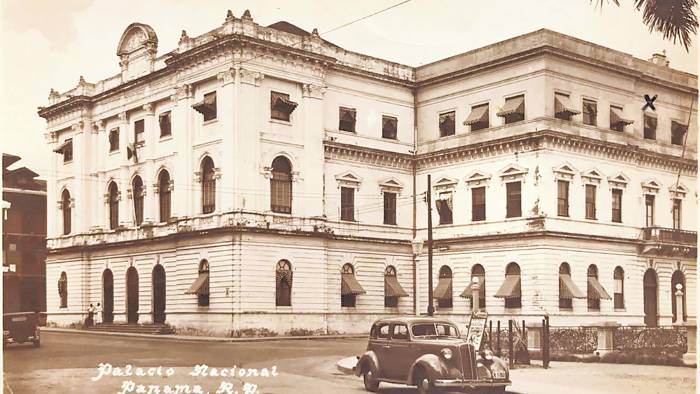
(52, 212)
(689, 358)
(81, 178)
(248, 122)
(181, 174)
(227, 115)
(606, 332)
(152, 132)
(123, 177)
(310, 179)
(99, 151)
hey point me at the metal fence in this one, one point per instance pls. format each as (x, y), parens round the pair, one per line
(667, 340)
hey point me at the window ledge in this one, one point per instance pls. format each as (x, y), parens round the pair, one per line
(68, 161)
(620, 310)
(281, 121)
(166, 138)
(210, 121)
(283, 307)
(113, 152)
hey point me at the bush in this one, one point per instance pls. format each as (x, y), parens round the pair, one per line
(303, 332)
(252, 333)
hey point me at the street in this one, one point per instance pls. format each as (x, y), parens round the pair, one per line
(68, 363)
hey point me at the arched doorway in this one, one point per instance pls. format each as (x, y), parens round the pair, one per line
(158, 278)
(107, 296)
(132, 295)
(678, 279)
(651, 318)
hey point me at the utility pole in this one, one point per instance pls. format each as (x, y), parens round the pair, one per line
(431, 310)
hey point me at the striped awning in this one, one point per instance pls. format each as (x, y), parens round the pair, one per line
(443, 291)
(568, 289)
(562, 104)
(392, 287)
(62, 147)
(616, 117)
(350, 285)
(596, 290)
(510, 287)
(467, 293)
(478, 114)
(513, 106)
(198, 287)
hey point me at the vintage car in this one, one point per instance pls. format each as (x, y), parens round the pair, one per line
(21, 327)
(429, 353)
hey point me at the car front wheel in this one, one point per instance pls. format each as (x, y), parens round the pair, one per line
(424, 385)
(371, 384)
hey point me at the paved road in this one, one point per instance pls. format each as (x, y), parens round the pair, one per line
(66, 363)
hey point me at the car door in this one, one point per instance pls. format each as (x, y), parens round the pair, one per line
(379, 344)
(399, 352)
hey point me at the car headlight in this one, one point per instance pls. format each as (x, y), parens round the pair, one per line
(487, 355)
(447, 353)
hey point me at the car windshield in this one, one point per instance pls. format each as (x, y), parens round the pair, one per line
(434, 330)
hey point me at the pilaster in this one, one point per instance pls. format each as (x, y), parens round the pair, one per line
(152, 133)
(226, 113)
(182, 121)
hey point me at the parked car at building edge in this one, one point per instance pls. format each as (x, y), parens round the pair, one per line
(429, 353)
(21, 327)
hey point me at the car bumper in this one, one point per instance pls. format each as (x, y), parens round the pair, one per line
(470, 384)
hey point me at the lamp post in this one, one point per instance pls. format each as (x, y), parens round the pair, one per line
(417, 248)
(475, 294)
(679, 304)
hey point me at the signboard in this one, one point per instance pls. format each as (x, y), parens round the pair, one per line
(476, 328)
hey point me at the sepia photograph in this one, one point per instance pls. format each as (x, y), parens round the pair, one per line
(386, 196)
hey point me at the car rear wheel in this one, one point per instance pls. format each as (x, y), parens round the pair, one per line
(423, 383)
(371, 384)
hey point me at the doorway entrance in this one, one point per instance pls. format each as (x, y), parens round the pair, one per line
(107, 297)
(132, 295)
(651, 294)
(158, 278)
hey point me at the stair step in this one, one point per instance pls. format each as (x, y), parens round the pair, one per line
(161, 329)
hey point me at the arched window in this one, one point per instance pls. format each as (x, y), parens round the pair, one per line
(511, 287)
(63, 290)
(208, 186)
(283, 287)
(678, 279)
(203, 292)
(479, 273)
(281, 186)
(596, 292)
(349, 286)
(164, 195)
(137, 194)
(619, 294)
(443, 291)
(392, 288)
(567, 289)
(113, 205)
(65, 207)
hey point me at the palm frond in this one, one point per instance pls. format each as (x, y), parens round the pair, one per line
(675, 19)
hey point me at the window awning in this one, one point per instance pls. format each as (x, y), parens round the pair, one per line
(510, 287)
(198, 287)
(515, 105)
(596, 290)
(568, 289)
(478, 114)
(392, 287)
(562, 104)
(467, 293)
(350, 285)
(443, 291)
(616, 117)
(285, 105)
(208, 103)
(62, 147)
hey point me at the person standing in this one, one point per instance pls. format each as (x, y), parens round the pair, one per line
(98, 314)
(90, 318)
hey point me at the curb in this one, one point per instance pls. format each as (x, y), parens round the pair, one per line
(193, 338)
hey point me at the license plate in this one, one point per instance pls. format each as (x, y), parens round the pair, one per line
(19, 318)
(499, 374)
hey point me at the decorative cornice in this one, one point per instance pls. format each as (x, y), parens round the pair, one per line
(339, 151)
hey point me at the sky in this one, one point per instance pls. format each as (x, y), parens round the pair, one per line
(50, 44)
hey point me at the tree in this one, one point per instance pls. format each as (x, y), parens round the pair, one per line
(675, 19)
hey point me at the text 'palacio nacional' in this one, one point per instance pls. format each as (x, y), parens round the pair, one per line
(262, 178)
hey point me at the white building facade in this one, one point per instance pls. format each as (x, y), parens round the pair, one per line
(262, 178)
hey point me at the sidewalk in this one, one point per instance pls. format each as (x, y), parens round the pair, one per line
(194, 338)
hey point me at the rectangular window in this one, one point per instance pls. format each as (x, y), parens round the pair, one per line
(676, 213)
(347, 203)
(677, 133)
(389, 208)
(114, 140)
(649, 127)
(514, 109)
(479, 117)
(347, 300)
(347, 118)
(391, 302)
(478, 204)
(281, 107)
(164, 122)
(447, 124)
(139, 133)
(590, 112)
(563, 198)
(513, 200)
(565, 303)
(617, 205)
(649, 209)
(389, 127)
(618, 294)
(590, 202)
(444, 207)
(68, 150)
